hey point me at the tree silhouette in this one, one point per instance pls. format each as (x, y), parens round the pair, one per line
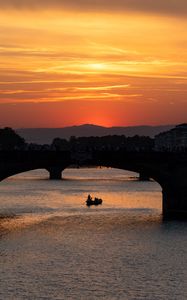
(10, 140)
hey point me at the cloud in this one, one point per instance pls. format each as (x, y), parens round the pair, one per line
(176, 7)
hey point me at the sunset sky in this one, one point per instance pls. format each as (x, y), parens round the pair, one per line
(105, 62)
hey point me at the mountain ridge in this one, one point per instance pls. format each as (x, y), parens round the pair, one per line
(46, 135)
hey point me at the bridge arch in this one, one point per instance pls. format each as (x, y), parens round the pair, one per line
(147, 172)
(15, 162)
(55, 173)
(168, 169)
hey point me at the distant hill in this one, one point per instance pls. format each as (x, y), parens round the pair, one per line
(46, 135)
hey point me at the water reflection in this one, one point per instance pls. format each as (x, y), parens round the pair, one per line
(54, 247)
(29, 196)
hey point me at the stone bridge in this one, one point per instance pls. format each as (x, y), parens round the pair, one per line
(168, 169)
(15, 162)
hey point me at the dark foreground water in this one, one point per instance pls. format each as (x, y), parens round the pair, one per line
(54, 247)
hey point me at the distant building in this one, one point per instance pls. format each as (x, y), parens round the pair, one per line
(172, 140)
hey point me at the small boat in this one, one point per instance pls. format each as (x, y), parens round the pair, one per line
(95, 201)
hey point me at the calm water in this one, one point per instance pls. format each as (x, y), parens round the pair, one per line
(54, 247)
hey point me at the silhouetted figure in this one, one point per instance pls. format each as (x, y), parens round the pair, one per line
(90, 201)
(89, 197)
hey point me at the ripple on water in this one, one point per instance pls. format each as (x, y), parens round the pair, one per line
(54, 247)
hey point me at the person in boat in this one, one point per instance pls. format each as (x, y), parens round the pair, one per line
(98, 200)
(94, 201)
(89, 198)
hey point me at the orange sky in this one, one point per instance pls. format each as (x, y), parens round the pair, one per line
(110, 65)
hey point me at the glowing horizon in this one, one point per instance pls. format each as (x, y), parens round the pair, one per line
(64, 66)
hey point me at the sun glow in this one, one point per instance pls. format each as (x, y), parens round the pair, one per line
(63, 68)
(97, 66)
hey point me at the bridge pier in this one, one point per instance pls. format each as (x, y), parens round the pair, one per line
(143, 177)
(55, 173)
(175, 201)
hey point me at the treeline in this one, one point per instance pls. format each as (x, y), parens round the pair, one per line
(110, 142)
(10, 140)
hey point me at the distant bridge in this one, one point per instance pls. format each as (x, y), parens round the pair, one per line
(168, 169)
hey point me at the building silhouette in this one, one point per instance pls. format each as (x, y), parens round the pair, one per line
(172, 140)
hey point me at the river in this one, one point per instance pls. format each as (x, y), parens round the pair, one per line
(52, 246)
